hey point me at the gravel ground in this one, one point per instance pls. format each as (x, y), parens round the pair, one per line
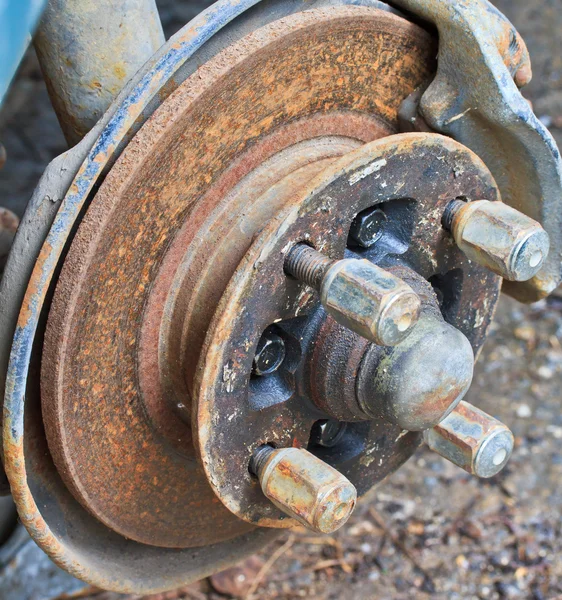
(430, 531)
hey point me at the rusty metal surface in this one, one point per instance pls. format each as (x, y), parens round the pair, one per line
(306, 488)
(233, 413)
(88, 51)
(68, 181)
(117, 252)
(370, 301)
(475, 99)
(167, 568)
(473, 440)
(32, 477)
(501, 238)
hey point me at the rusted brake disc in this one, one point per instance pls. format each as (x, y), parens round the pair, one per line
(164, 234)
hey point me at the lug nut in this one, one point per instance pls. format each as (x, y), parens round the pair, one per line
(359, 295)
(304, 487)
(270, 354)
(472, 440)
(499, 237)
(368, 227)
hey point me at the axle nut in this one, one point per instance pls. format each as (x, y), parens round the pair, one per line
(305, 487)
(418, 382)
(472, 440)
(498, 237)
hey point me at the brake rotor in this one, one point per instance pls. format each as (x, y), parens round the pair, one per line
(119, 351)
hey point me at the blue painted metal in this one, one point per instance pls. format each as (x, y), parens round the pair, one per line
(17, 22)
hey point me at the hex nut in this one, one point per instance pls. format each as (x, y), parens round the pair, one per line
(270, 354)
(370, 301)
(306, 488)
(472, 440)
(500, 238)
(368, 227)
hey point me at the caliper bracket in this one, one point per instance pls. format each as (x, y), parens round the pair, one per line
(475, 99)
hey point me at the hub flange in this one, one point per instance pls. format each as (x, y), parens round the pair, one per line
(413, 176)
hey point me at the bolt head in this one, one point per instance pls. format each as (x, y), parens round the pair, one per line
(308, 489)
(368, 227)
(370, 301)
(328, 432)
(270, 354)
(501, 238)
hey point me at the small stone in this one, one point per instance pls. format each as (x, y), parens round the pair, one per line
(545, 372)
(361, 528)
(524, 411)
(416, 528)
(525, 333)
(462, 562)
(237, 580)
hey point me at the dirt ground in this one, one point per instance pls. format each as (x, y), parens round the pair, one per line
(430, 531)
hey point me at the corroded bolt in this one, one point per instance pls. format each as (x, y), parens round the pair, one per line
(368, 227)
(328, 432)
(270, 354)
(359, 295)
(304, 487)
(472, 440)
(498, 237)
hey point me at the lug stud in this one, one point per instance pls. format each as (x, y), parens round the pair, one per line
(304, 487)
(359, 295)
(472, 440)
(498, 237)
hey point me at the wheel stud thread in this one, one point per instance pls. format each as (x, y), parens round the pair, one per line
(307, 264)
(449, 213)
(259, 458)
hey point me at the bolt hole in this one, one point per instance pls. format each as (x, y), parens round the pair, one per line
(341, 511)
(535, 259)
(499, 457)
(404, 322)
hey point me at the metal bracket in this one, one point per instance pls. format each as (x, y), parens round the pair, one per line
(475, 99)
